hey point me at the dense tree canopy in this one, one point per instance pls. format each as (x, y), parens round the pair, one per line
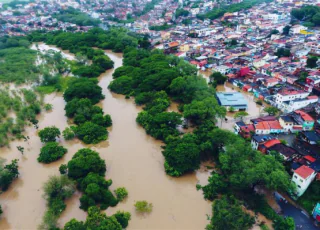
(91, 133)
(8, 173)
(228, 214)
(85, 161)
(49, 134)
(181, 155)
(84, 88)
(310, 14)
(96, 191)
(312, 62)
(51, 152)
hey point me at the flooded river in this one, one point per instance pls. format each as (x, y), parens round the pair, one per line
(133, 159)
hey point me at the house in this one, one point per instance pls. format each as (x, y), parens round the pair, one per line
(258, 140)
(262, 127)
(303, 119)
(271, 82)
(246, 131)
(275, 127)
(232, 99)
(285, 151)
(311, 137)
(238, 125)
(289, 106)
(290, 95)
(302, 178)
(316, 213)
(286, 123)
(268, 144)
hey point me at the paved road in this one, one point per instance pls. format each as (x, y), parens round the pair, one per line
(299, 217)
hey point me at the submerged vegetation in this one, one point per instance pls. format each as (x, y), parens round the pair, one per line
(18, 109)
(56, 190)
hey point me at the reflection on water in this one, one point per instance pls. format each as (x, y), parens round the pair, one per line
(133, 159)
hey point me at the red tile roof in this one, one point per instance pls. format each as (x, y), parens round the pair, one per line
(310, 158)
(304, 115)
(304, 171)
(271, 143)
(262, 125)
(274, 125)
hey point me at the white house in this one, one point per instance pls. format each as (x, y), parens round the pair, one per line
(290, 95)
(296, 104)
(297, 28)
(302, 178)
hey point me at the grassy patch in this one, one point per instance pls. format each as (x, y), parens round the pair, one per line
(46, 89)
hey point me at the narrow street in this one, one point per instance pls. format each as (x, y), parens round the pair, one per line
(300, 218)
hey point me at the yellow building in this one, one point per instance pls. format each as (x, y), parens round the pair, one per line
(184, 48)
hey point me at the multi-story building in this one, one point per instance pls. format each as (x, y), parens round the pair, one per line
(302, 178)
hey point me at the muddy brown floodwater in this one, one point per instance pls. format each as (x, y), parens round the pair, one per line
(133, 159)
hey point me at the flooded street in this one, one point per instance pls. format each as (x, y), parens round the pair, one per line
(133, 159)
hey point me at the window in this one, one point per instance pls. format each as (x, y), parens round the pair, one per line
(301, 180)
(299, 186)
(295, 177)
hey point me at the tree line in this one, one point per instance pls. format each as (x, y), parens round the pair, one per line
(219, 12)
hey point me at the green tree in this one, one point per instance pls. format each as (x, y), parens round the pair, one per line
(91, 133)
(286, 30)
(121, 193)
(68, 133)
(96, 192)
(316, 19)
(63, 169)
(284, 224)
(282, 52)
(56, 190)
(143, 206)
(218, 78)
(312, 62)
(8, 173)
(123, 218)
(49, 134)
(241, 114)
(233, 42)
(228, 214)
(181, 155)
(216, 185)
(271, 110)
(84, 88)
(206, 109)
(51, 152)
(85, 161)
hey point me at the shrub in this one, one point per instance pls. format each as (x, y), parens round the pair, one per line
(48, 107)
(68, 133)
(143, 206)
(63, 169)
(121, 193)
(49, 134)
(51, 152)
